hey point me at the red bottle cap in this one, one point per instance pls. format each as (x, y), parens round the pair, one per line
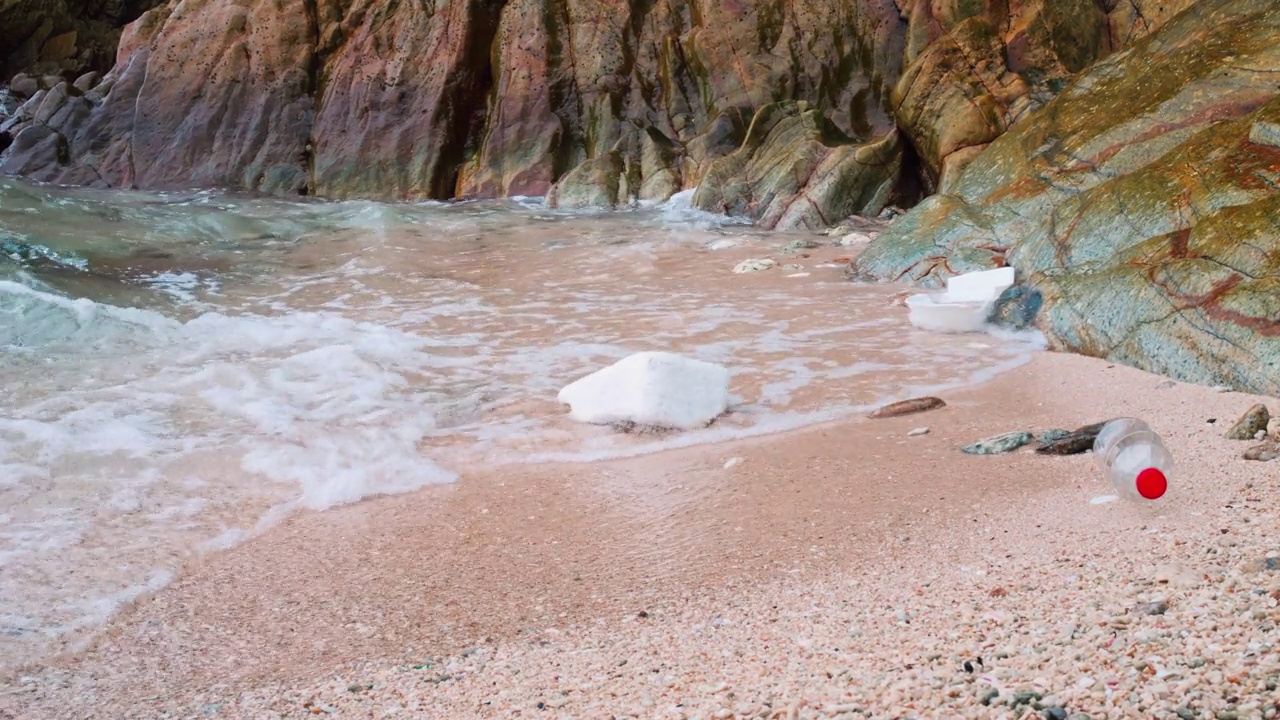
(1152, 483)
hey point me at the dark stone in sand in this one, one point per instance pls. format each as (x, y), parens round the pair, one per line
(1074, 443)
(1055, 713)
(1052, 435)
(1255, 419)
(1025, 698)
(1017, 307)
(999, 444)
(908, 407)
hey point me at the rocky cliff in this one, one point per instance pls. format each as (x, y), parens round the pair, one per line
(803, 110)
(1143, 203)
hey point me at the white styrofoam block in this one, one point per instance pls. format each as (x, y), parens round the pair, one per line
(983, 285)
(658, 389)
(940, 314)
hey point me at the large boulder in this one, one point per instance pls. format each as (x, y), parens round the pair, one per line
(1143, 202)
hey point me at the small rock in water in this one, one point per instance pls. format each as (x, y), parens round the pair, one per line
(1222, 388)
(1266, 452)
(754, 265)
(907, 407)
(792, 267)
(918, 432)
(999, 444)
(1074, 443)
(796, 246)
(732, 462)
(1255, 419)
(1052, 435)
(722, 244)
(854, 238)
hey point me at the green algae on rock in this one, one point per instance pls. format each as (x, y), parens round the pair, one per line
(1138, 202)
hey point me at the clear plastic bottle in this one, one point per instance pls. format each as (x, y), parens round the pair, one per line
(1133, 459)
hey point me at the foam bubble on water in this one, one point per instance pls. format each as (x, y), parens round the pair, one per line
(679, 210)
(320, 409)
(182, 286)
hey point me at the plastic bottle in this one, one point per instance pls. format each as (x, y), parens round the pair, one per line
(1133, 459)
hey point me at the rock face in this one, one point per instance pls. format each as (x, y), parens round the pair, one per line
(797, 112)
(53, 37)
(1143, 203)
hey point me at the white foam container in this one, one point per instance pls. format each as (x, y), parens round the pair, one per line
(965, 305)
(928, 312)
(659, 389)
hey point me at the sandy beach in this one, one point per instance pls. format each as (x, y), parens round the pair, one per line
(845, 570)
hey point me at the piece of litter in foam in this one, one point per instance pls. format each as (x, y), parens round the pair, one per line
(801, 274)
(732, 462)
(1104, 499)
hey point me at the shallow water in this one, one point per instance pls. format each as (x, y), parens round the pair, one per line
(184, 369)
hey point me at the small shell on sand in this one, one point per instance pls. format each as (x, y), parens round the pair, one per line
(908, 407)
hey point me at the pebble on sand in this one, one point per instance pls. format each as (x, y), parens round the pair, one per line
(908, 407)
(1266, 452)
(1008, 442)
(1074, 442)
(1255, 419)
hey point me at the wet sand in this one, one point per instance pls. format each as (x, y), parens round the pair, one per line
(845, 570)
